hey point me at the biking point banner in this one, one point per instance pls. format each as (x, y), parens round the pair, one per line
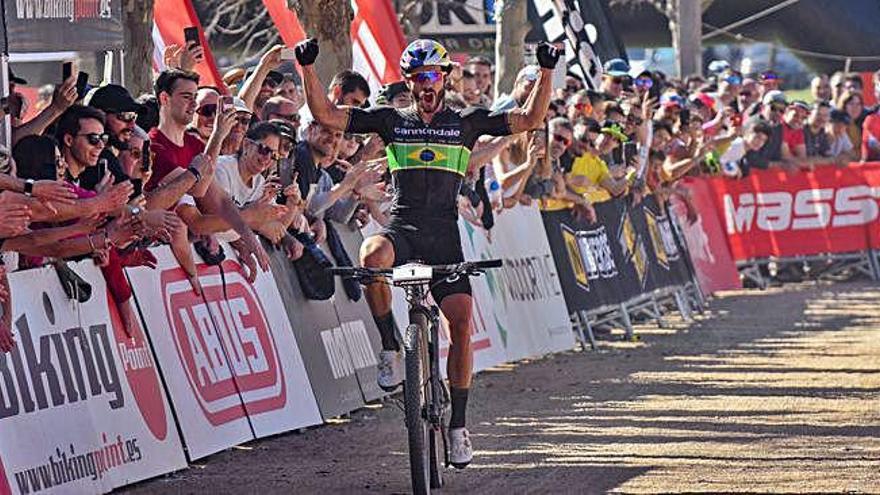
(83, 397)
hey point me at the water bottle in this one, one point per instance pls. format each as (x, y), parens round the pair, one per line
(495, 194)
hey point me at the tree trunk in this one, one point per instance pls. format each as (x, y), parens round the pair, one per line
(330, 22)
(685, 24)
(138, 20)
(510, 35)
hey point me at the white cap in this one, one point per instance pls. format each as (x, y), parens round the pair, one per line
(240, 105)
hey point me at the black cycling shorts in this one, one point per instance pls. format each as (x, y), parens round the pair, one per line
(433, 242)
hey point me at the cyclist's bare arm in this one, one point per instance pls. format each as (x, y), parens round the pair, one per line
(324, 111)
(531, 115)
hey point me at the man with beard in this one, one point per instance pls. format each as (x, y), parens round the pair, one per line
(428, 149)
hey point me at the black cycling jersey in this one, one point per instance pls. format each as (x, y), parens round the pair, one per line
(427, 161)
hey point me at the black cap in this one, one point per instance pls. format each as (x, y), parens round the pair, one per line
(113, 98)
(15, 80)
(840, 116)
(272, 75)
(284, 128)
(389, 91)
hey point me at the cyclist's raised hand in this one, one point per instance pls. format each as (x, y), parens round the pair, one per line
(307, 51)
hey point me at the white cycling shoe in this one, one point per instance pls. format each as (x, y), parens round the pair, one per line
(461, 452)
(390, 370)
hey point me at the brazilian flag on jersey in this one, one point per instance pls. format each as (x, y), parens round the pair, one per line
(447, 157)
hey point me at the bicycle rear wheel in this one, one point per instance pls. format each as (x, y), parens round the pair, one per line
(415, 391)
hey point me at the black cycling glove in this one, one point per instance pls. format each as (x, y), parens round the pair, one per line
(547, 55)
(307, 51)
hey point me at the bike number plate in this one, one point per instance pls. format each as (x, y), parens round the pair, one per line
(412, 275)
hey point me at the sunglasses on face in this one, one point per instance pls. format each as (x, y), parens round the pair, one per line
(430, 77)
(571, 88)
(644, 83)
(559, 138)
(736, 80)
(745, 94)
(244, 120)
(265, 150)
(270, 83)
(127, 117)
(208, 110)
(95, 138)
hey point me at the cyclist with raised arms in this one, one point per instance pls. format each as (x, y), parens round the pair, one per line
(428, 147)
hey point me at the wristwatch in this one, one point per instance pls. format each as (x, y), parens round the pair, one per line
(195, 172)
(29, 187)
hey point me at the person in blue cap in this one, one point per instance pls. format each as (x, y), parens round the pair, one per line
(615, 77)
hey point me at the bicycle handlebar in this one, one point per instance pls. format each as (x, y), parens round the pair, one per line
(466, 267)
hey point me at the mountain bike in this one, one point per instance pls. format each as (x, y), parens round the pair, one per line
(425, 396)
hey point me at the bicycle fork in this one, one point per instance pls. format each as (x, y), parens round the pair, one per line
(439, 393)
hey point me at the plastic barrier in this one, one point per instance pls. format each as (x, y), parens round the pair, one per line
(523, 299)
(229, 358)
(82, 408)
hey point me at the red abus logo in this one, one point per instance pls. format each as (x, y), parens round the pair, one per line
(224, 343)
(141, 373)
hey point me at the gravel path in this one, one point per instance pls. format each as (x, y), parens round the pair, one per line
(775, 391)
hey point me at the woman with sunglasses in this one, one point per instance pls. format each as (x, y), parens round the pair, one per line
(428, 147)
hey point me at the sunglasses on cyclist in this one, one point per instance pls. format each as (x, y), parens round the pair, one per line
(265, 150)
(127, 117)
(94, 138)
(208, 110)
(430, 76)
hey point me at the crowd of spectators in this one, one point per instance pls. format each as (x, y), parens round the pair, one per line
(106, 175)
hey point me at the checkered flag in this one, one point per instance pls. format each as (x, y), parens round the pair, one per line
(563, 22)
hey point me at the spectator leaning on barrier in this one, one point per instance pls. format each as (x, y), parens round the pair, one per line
(820, 88)
(175, 153)
(793, 144)
(854, 106)
(840, 145)
(816, 139)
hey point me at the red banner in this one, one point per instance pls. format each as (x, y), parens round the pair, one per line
(170, 18)
(706, 241)
(780, 214)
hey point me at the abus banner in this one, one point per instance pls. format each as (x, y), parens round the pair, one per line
(229, 359)
(81, 405)
(774, 213)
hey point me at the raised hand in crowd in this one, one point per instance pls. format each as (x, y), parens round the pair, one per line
(15, 214)
(185, 58)
(122, 231)
(252, 86)
(307, 52)
(54, 191)
(65, 95)
(159, 224)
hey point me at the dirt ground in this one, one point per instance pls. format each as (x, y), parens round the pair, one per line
(775, 391)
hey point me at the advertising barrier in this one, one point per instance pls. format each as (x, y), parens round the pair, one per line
(523, 298)
(229, 359)
(779, 214)
(316, 326)
(83, 397)
(631, 250)
(706, 240)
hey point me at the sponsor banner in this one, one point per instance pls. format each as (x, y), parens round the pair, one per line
(706, 241)
(587, 256)
(74, 367)
(357, 328)
(774, 213)
(322, 340)
(524, 296)
(192, 357)
(261, 350)
(53, 26)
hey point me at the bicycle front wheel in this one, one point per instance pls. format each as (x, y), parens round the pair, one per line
(414, 392)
